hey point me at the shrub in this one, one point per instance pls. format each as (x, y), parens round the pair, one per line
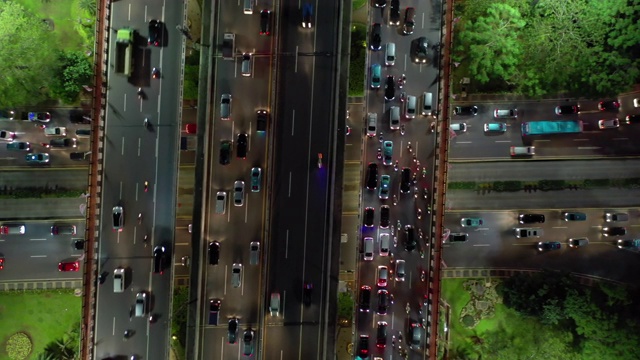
(19, 346)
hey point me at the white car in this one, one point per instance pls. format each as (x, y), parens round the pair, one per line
(384, 244)
(55, 131)
(7, 135)
(236, 275)
(238, 193)
(372, 123)
(636, 102)
(609, 124)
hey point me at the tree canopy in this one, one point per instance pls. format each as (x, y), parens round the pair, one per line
(27, 59)
(585, 47)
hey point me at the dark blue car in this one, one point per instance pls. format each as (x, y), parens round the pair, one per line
(307, 15)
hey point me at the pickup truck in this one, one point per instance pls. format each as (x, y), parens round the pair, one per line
(55, 131)
(228, 46)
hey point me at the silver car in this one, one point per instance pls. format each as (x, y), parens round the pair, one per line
(238, 193)
(236, 275)
(372, 121)
(225, 107)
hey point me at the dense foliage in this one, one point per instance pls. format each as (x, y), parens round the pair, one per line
(357, 60)
(75, 70)
(587, 323)
(584, 47)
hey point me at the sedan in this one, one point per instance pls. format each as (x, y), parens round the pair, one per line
(225, 152)
(238, 193)
(118, 218)
(381, 335)
(7, 135)
(262, 118)
(256, 179)
(387, 153)
(155, 32)
(369, 214)
(609, 105)
(363, 347)
(465, 110)
(549, 245)
(383, 301)
(158, 259)
(632, 119)
(384, 216)
(405, 180)
(307, 291)
(531, 218)
(241, 146)
(574, 216)
(64, 142)
(247, 343)
(390, 88)
(38, 158)
(232, 330)
(609, 124)
(39, 116)
(19, 145)
(307, 16)
(383, 192)
(372, 176)
(628, 244)
(265, 22)
(376, 38)
(495, 127)
(614, 231)
(567, 109)
(68, 266)
(383, 274)
(375, 76)
(471, 222)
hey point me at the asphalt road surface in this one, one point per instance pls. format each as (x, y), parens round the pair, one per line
(493, 245)
(239, 225)
(419, 78)
(593, 142)
(133, 155)
(301, 241)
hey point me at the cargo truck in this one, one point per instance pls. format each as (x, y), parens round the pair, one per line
(228, 46)
(124, 51)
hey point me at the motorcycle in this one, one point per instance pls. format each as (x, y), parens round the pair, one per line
(422, 277)
(396, 166)
(155, 73)
(127, 334)
(402, 129)
(379, 154)
(407, 308)
(409, 147)
(425, 193)
(419, 214)
(319, 160)
(145, 240)
(139, 218)
(147, 123)
(146, 186)
(140, 94)
(395, 202)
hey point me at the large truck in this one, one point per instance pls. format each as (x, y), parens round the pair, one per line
(228, 46)
(124, 51)
(544, 127)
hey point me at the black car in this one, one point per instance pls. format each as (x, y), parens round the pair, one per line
(394, 12)
(78, 117)
(384, 216)
(390, 88)
(632, 119)
(458, 237)
(376, 38)
(247, 343)
(262, 118)
(372, 176)
(368, 216)
(614, 231)
(66, 142)
(78, 244)
(307, 291)
(265, 22)
(405, 182)
(410, 238)
(531, 218)
(381, 335)
(567, 109)
(241, 147)
(364, 300)
(379, 3)
(232, 330)
(155, 32)
(465, 110)
(214, 252)
(363, 347)
(383, 301)
(225, 152)
(420, 50)
(549, 245)
(158, 259)
(609, 105)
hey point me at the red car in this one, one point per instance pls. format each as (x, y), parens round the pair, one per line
(68, 266)
(190, 128)
(1, 263)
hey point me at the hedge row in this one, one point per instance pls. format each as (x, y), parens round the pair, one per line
(546, 185)
(357, 59)
(38, 193)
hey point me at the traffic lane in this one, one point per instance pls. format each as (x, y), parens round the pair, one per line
(216, 346)
(527, 170)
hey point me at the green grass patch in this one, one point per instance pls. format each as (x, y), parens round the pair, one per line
(67, 18)
(357, 59)
(357, 4)
(44, 315)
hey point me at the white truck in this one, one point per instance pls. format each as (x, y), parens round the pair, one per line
(228, 46)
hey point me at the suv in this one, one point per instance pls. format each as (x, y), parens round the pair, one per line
(155, 32)
(214, 252)
(265, 22)
(364, 300)
(394, 13)
(372, 176)
(410, 238)
(376, 38)
(384, 216)
(369, 214)
(158, 259)
(420, 48)
(390, 88)
(405, 182)
(531, 218)
(495, 127)
(307, 15)
(241, 147)
(118, 218)
(528, 232)
(225, 152)
(614, 231)
(574, 216)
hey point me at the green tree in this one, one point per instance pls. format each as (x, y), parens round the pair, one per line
(74, 71)
(90, 6)
(345, 307)
(25, 58)
(492, 45)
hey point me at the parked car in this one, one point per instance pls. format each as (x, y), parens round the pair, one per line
(465, 110)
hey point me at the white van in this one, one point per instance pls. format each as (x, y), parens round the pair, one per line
(394, 118)
(221, 202)
(245, 67)
(368, 248)
(118, 280)
(410, 110)
(390, 54)
(427, 103)
(248, 7)
(274, 304)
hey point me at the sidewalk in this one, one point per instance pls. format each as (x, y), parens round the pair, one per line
(461, 200)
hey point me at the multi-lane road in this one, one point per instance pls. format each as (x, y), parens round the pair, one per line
(134, 154)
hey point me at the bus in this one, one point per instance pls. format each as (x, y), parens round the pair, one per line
(543, 127)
